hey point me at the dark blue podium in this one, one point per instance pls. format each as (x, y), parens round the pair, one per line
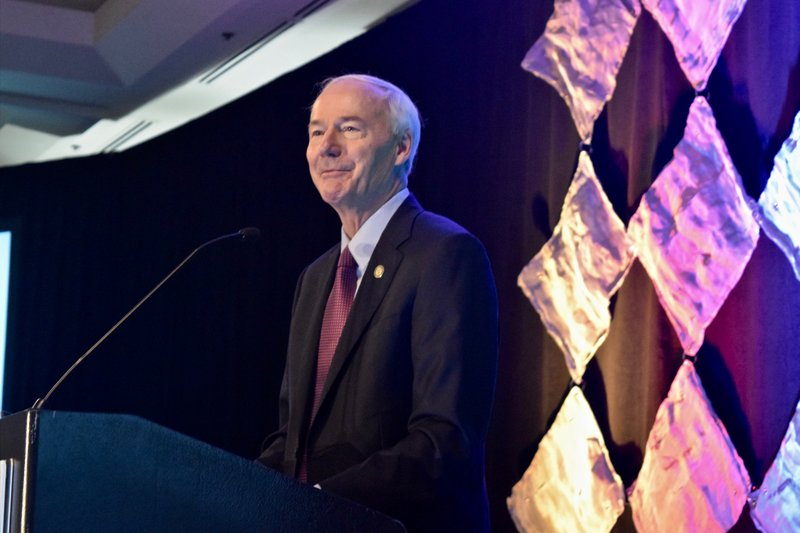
(101, 472)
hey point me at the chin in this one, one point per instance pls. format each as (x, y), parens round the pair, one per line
(332, 198)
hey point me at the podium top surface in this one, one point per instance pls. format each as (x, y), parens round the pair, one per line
(101, 472)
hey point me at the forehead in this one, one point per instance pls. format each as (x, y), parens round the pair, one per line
(349, 98)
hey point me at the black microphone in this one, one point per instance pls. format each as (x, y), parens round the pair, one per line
(249, 234)
(245, 234)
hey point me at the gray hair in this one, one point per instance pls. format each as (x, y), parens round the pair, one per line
(403, 114)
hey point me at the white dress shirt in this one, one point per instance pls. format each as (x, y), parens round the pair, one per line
(366, 238)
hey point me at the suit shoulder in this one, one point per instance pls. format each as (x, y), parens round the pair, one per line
(322, 262)
(438, 229)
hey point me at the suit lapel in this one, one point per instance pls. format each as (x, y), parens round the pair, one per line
(372, 289)
(313, 309)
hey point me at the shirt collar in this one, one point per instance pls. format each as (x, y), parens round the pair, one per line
(366, 238)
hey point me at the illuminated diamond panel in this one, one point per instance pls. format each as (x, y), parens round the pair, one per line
(580, 53)
(571, 279)
(780, 201)
(775, 506)
(692, 478)
(571, 484)
(698, 30)
(694, 230)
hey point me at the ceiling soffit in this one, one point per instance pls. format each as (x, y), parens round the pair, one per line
(74, 74)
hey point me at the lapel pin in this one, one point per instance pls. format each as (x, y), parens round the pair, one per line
(378, 272)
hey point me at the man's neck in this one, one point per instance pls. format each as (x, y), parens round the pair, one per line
(353, 219)
(352, 222)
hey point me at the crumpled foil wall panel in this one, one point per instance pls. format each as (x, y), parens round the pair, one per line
(692, 479)
(697, 30)
(780, 201)
(775, 506)
(571, 484)
(580, 53)
(694, 229)
(570, 280)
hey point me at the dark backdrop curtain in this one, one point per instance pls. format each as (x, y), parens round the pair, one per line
(205, 355)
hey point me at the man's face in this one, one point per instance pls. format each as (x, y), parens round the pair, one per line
(353, 156)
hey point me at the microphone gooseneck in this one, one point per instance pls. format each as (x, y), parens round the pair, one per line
(248, 234)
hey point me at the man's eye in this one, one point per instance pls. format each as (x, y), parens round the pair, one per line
(351, 132)
(315, 133)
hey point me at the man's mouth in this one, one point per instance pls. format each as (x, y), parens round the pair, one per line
(332, 172)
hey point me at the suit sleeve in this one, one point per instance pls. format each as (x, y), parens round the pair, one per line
(454, 356)
(274, 446)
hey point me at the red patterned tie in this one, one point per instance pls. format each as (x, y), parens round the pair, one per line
(339, 303)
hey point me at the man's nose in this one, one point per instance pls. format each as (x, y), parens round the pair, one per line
(330, 145)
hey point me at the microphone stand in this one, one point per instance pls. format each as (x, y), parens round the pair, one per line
(245, 234)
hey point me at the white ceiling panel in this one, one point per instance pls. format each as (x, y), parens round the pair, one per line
(83, 77)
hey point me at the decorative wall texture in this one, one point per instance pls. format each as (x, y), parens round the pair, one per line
(694, 232)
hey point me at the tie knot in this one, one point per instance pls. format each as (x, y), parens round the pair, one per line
(346, 259)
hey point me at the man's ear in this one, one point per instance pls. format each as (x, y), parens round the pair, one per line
(404, 143)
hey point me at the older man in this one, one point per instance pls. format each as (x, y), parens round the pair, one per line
(392, 353)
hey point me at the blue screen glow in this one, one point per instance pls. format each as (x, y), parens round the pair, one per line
(5, 266)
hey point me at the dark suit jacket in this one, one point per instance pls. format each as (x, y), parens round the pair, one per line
(404, 412)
